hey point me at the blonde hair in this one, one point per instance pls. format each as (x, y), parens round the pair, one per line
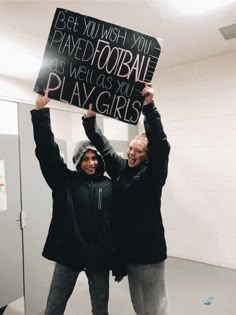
(142, 137)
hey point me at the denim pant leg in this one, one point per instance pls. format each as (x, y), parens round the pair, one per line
(147, 289)
(62, 285)
(99, 291)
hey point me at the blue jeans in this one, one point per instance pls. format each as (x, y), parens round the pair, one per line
(147, 289)
(63, 283)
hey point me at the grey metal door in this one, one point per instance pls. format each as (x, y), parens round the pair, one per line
(37, 203)
(11, 258)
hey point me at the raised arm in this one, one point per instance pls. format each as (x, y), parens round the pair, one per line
(158, 146)
(47, 151)
(112, 159)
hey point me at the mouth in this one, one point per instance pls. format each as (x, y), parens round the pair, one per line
(132, 161)
(91, 170)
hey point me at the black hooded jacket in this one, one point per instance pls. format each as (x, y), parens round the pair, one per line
(80, 233)
(139, 230)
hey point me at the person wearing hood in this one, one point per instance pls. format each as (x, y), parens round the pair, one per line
(138, 182)
(80, 234)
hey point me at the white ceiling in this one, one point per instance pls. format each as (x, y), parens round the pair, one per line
(187, 37)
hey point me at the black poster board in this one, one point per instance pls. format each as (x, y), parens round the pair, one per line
(87, 60)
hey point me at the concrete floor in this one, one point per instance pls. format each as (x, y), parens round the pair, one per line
(189, 285)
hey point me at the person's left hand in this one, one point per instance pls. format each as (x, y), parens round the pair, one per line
(42, 100)
(148, 93)
(118, 278)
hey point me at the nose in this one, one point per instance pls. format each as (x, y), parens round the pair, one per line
(91, 162)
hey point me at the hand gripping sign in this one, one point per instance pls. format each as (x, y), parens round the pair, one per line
(87, 60)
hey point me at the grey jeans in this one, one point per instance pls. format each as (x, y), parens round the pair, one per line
(63, 283)
(148, 289)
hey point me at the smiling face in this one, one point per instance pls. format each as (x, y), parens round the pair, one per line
(137, 152)
(89, 162)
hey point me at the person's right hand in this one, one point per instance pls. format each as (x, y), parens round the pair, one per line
(90, 112)
(42, 100)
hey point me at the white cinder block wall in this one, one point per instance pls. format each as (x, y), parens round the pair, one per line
(198, 106)
(197, 103)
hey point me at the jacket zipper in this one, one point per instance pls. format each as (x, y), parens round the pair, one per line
(100, 198)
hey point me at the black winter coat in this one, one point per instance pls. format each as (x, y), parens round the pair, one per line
(139, 230)
(80, 231)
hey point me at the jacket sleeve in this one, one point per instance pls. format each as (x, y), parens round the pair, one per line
(119, 266)
(158, 146)
(112, 159)
(47, 151)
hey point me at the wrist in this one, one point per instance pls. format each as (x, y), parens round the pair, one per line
(148, 108)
